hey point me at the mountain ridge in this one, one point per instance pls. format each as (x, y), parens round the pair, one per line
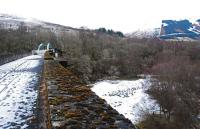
(170, 30)
(30, 24)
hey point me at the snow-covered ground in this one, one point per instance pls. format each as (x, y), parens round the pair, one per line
(18, 91)
(127, 97)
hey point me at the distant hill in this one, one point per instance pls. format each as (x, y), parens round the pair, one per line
(30, 24)
(150, 33)
(171, 30)
(180, 30)
(33, 25)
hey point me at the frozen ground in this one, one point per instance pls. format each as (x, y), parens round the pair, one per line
(18, 91)
(127, 97)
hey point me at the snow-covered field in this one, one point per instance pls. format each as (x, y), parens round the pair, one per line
(127, 97)
(18, 91)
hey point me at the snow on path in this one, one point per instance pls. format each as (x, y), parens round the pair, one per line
(127, 97)
(18, 91)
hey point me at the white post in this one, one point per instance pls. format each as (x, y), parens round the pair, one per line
(56, 55)
(48, 46)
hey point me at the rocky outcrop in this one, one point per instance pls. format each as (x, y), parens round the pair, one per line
(72, 104)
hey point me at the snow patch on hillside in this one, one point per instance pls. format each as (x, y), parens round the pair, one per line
(127, 97)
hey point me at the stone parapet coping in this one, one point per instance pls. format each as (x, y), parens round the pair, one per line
(72, 104)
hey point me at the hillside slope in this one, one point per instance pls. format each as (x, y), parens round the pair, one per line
(180, 30)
